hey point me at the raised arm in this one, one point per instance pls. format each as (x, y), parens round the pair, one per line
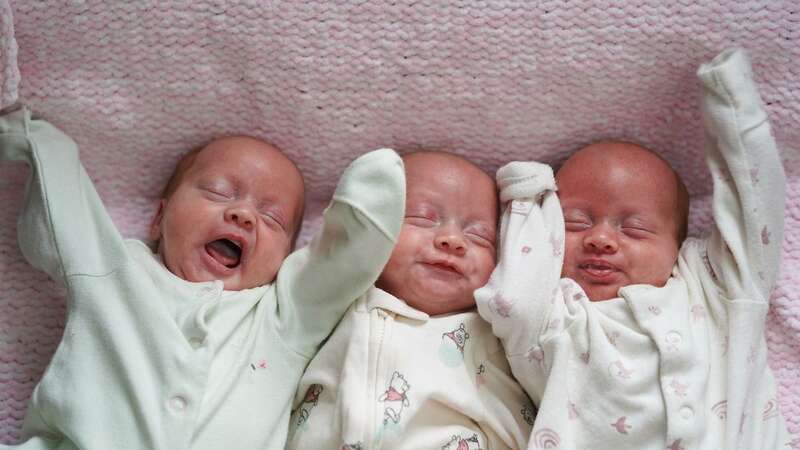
(317, 283)
(517, 300)
(749, 183)
(63, 228)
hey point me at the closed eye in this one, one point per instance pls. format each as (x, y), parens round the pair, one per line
(421, 221)
(636, 232)
(218, 195)
(273, 220)
(576, 225)
(480, 234)
(480, 239)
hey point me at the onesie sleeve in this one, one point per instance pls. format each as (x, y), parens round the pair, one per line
(63, 228)
(749, 183)
(316, 284)
(518, 299)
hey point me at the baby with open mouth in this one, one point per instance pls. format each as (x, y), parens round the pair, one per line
(201, 344)
(412, 365)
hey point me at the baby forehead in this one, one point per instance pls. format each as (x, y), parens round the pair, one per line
(241, 148)
(450, 182)
(427, 167)
(615, 159)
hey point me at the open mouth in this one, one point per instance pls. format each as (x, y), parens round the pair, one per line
(226, 252)
(598, 268)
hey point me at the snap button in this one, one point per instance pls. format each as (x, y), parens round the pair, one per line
(178, 403)
(687, 412)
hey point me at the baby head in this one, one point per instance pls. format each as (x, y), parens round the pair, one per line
(230, 212)
(626, 212)
(446, 247)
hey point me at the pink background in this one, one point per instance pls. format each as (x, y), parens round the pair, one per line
(138, 84)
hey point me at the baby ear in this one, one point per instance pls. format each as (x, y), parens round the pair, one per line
(155, 224)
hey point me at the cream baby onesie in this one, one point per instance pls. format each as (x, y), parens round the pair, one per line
(681, 367)
(150, 361)
(392, 377)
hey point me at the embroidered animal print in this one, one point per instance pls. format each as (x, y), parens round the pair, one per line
(461, 443)
(309, 402)
(451, 349)
(459, 336)
(394, 398)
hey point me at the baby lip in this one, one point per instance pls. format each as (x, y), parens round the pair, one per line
(445, 265)
(597, 264)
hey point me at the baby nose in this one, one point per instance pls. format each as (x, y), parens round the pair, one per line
(601, 240)
(451, 242)
(240, 216)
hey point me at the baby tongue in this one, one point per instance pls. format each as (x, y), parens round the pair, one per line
(224, 251)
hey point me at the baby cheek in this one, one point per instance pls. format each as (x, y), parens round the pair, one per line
(484, 266)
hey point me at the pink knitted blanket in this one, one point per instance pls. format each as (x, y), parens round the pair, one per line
(138, 83)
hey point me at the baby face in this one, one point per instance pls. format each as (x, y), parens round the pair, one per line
(232, 216)
(622, 216)
(446, 247)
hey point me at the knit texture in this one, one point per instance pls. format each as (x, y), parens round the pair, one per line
(137, 84)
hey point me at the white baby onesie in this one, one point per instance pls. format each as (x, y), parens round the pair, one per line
(680, 367)
(150, 361)
(392, 377)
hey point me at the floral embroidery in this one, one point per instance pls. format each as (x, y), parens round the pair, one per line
(501, 306)
(678, 388)
(536, 354)
(621, 426)
(698, 313)
(261, 364)
(676, 445)
(612, 337)
(618, 369)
